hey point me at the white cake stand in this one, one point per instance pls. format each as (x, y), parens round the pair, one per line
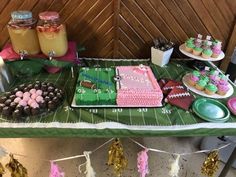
(181, 48)
(202, 93)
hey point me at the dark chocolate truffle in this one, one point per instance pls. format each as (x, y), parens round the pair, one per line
(26, 89)
(49, 84)
(19, 107)
(51, 95)
(30, 86)
(51, 105)
(45, 94)
(44, 87)
(47, 98)
(27, 110)
(12, 97)
(1, 106)
(37, 86)
(7, 102)
(21, 87)
(16, 114)
(13, 105)
(55, 100)
(59, 96)
(38, 82)
(7, 94)
(43, 104)
(6, 111)
(50, 88)
(34, 111)
(3, 99)
(16, 90)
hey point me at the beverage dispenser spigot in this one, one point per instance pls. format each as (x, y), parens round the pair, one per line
(51, 54)
(23, 53)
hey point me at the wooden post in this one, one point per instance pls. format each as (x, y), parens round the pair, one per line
(229, 51)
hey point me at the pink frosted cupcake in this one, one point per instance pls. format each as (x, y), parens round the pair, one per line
(216, 50)
(194, 78)
(214, 79)
(222, 89)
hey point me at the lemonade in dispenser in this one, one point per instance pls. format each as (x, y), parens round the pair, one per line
(52, 34)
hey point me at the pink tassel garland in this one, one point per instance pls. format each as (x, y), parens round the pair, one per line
(142, 163)
(56, 171)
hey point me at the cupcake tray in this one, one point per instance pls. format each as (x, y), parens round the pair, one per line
(202, 93)
(181, 48)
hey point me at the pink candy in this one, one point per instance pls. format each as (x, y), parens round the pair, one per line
(32, 91)
(26, 98)
(39, 99)
(23, 103)
(19, 93)
(30, 101)
(26, 94)
(39, 92)
(17, 100)
(34, 105)
(34, 96)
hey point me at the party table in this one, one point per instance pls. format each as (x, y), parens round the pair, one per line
(115, 122)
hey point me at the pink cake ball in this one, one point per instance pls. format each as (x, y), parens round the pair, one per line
(17, 99)
(23, 103)
(32, 91)
(26, 98)
(34, 96)
(30, 101)
(39, 92)
(26, 94)
(19, 94)
(39, 99)
(34, 105)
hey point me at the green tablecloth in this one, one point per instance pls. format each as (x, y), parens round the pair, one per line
(115, 122)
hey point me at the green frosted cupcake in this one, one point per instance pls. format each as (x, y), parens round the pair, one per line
(189, 47)
(210, 89)
(197, 51)
(207, 53)
(196, 73)
(201, 84)
(205, 78)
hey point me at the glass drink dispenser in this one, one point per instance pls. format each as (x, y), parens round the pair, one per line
(52, 34)
(23, 34)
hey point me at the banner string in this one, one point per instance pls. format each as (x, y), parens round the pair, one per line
(134, 141)
(61, 159)
(182, 154)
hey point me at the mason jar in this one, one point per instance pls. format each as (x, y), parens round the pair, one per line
(23, 35)
(52, 34)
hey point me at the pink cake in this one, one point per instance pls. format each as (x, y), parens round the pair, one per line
(137, 87)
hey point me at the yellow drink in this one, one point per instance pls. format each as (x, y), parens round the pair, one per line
(53, 39)
(24, 39)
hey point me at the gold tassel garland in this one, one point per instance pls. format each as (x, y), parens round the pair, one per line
(16, 168)
(210, 165)
(116, 157)
(2, 170)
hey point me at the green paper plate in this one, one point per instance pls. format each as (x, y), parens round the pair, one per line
(211, 110)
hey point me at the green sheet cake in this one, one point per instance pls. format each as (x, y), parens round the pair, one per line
(96, 86)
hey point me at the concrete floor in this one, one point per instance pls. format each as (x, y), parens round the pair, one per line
(63, 147)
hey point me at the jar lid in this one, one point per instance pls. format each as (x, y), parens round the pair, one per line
(21, 15)
(49, 15)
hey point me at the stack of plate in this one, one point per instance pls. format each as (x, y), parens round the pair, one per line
(211, 110)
